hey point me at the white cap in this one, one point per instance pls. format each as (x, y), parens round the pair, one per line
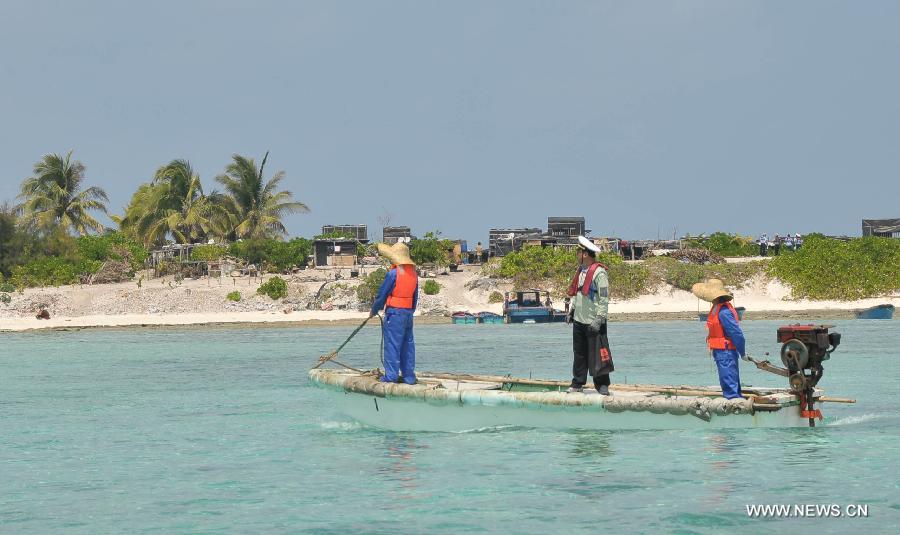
(588, 244)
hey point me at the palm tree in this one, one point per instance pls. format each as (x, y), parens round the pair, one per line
(256, 204)
(54, 197)
(174, 204)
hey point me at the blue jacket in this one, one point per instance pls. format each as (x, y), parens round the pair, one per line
(386, 288)
(732, 330)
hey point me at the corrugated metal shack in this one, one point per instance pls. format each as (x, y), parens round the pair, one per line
(502, 241)
(392, 235)
(356, 232)
(335, 252)
(886, 228)
(343, 249)
(566, 227)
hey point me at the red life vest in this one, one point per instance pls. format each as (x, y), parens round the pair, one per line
(588, 279)
(404, 287)
(716, 338)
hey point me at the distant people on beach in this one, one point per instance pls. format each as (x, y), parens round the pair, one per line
(777, 243)
(789, 242)
(798, 241)
(763, 242)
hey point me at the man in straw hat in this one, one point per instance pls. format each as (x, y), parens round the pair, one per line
(398, 295)
(590, 305)
(725, 338)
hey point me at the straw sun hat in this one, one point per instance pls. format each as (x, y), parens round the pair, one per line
(711, 290)
(398, 254)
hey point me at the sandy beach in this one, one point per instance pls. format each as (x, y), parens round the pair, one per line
(317, 298)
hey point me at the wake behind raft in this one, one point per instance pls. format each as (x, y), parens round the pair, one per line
(457, 402)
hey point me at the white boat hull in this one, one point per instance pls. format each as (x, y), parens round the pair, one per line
(408, 415)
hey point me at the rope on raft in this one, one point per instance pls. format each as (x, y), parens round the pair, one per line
(330, 357)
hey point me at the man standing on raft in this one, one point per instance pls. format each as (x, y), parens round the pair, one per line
(590, 306)
(398, 295)
(725, 339)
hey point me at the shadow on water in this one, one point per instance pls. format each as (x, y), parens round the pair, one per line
(397, 465)
(588, 444)
(722, 449)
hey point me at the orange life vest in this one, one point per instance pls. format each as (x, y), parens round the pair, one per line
(716, 338)
(588, 279)
(404, 287)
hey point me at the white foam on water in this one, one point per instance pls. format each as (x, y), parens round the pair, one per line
(854, 420)
(488, 429)
(341, 426)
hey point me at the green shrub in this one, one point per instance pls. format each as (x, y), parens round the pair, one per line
(367, 291)
(553, 269)
(233, 296)
(845, 270)
(45, 271)
(275, 288)
(112, 246)
(683, 275)
(726, 244)
(7, 287)
(431, 250)
(279, 255)
(284, 255)
(495, 297)
(5, 298)
(431, 287)
(208, 253)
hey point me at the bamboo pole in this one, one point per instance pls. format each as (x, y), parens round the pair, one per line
(538, 382)
(830, 399)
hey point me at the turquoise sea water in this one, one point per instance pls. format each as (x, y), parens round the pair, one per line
(215, 430)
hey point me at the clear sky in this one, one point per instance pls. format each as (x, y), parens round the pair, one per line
(743, 116)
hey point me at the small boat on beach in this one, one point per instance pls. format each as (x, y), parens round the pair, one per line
(463, 317)
(527, 307)
(740, 310)
(879, 312)
(490, 317)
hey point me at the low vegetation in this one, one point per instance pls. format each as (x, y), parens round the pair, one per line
(271, 254)
(431, 250)
(233, 296)
(431, 287)
(208, 253)
(726, 244)
(367, 291)
(844, 270)
(552, 269)
(275, 288)
(683, 275)
(56, 258)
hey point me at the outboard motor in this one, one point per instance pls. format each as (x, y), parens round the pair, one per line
(803, 350)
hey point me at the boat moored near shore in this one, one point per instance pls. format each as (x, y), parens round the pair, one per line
(879, 312)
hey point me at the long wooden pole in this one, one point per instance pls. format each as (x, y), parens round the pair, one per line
(539, 382)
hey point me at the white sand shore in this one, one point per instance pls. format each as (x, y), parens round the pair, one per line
(202, 302)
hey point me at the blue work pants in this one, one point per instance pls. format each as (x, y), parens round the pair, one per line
(399, 346)
(729, 375)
